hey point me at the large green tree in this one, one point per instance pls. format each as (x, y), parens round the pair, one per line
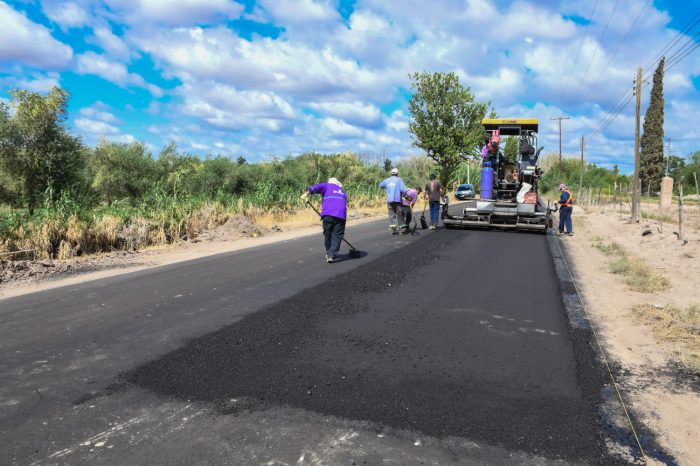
(446, 120)
(36, 149)
(123, 171)
(651, 148)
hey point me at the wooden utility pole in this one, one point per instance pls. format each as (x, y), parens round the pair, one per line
(680, 208)
(583, 146)
(561, 166)
(635, 193)
(697, 191)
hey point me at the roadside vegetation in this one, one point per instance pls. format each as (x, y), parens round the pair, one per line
(60, 198)
(677, 326)
(636, 273)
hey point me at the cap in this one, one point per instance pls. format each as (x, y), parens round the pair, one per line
(335, 182)
(394, 171)
(562, 186)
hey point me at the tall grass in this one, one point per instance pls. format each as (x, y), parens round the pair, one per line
(66, 229)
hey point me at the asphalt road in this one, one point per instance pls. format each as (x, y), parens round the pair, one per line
(441, 348)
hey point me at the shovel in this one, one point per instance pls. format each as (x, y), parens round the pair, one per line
(423, 221)
(353, 253)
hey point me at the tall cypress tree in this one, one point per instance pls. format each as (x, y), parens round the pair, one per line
(651, 149)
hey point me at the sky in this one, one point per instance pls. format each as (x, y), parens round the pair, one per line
(273, 78)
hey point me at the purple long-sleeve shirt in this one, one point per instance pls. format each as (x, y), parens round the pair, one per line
(334, 199)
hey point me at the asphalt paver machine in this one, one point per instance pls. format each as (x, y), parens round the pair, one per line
(508, 196)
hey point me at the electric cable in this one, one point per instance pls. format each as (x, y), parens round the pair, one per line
(602, 36)
(590, 88)
(585, 34)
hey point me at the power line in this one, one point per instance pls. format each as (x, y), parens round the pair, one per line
(590, 88)
(682, 51)
(602, 36)
(590, 20)
(681, 58)
(676, 57)
(675, 39)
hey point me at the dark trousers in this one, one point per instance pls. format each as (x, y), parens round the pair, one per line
(396, 217)
(333, 232)
(407, 215)
(565, 220)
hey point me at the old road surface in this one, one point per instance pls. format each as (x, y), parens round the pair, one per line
(448, 347)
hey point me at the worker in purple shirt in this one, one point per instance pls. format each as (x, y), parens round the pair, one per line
(408, 201)
(333, 214)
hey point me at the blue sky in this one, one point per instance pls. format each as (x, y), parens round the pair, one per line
(278, 77)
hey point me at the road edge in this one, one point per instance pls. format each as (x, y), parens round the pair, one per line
(613, 414)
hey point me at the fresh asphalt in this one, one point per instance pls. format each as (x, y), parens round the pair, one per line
(447, 347)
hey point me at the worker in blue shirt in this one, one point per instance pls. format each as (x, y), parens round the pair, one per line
(395, 190)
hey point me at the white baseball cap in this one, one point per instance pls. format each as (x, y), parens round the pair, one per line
(394, 171)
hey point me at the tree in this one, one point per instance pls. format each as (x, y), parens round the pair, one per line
(651, 149)
(36, 149)
(123, 170)
(387, 165)
(446, 120)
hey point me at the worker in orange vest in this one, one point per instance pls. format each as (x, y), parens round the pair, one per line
(566, 205)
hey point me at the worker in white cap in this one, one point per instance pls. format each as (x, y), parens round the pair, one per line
(395, 190)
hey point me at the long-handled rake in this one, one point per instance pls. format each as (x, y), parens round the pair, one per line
(354, 252)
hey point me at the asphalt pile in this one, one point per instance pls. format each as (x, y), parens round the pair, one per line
(495, 362)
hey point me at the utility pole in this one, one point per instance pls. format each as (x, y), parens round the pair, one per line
(561, 166)
(583, 146)
(635, 193)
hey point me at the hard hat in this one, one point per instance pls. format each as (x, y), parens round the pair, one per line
(394, 171)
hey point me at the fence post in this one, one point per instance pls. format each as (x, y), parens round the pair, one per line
(680, 208)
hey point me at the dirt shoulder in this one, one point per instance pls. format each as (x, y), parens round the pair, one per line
(662, 392)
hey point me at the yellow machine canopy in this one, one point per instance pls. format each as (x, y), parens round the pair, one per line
(511, 126)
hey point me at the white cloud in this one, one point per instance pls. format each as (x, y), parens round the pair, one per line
(28, 42)
(98, 112)
(264, 64)
(291, 12)
(225, 107)
(36, 82)
(176, 12)
(66, 14)
(95, 127)
(340, 129)
(355, 113)
(93, 63)
(114, 45)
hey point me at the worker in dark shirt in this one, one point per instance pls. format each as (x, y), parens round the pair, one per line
(566, 205)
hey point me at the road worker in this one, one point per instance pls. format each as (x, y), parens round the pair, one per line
(566, 206)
